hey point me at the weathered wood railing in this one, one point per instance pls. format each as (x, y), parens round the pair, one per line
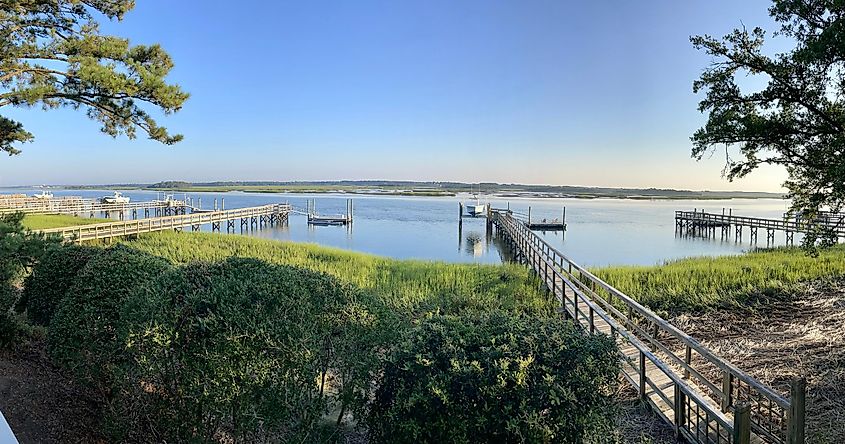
(705, 398)
(84, 206)
(255, 215)
(785, 224)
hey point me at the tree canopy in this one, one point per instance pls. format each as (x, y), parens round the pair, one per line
(52, 55)
(797, 119)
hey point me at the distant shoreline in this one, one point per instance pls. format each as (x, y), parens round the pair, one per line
(432, 189)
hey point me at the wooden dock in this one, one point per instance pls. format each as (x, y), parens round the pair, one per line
(702, 396)
(336, 219)
(253, 217)
(705, 224)
(92, 208)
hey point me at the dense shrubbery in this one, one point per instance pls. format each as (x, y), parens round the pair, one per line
(242, 349)
(245, 350)
(494, 377)
(10, 327)
(50, 280)
(19, 250)
(83, 333)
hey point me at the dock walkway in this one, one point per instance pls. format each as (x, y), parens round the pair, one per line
(703, 397)
(699, 222)
(92, 208)
(249, 217)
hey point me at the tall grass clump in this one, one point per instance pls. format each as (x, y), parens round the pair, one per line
(705, 283)
(408, 286)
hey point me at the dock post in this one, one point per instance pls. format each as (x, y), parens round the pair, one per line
(215, 204)
(529, 215)
(563, 223)
(222, 204)
(199, 202)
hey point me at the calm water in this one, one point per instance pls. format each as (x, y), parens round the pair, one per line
(600, 231)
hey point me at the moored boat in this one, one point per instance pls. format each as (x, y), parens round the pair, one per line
(116, 198)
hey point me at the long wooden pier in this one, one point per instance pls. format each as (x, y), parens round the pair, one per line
(91, 207)
(705, 398)
(702, 223)
(252, 217)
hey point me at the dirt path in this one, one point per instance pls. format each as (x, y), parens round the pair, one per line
(781, 339)
(40, 403)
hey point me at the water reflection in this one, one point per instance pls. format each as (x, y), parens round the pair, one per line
(600, 232)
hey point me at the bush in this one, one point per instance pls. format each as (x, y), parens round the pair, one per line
(50, 280)
(496, 377)
(82, 335)
(243, 349)
(11, 328)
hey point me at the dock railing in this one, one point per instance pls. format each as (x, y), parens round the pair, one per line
(706, 398)
(784, 224)
(106, 230)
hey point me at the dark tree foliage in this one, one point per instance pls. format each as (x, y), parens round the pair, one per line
(52, 55)
(798, 119)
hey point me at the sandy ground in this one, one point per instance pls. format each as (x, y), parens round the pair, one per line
(40, 403)
(778, 340)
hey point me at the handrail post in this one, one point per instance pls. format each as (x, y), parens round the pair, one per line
(680, 410)
(797, 408)
(742, 423)
(727, 390)
(642, 376)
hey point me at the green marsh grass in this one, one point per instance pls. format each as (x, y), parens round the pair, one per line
(47, 221)
(705, 283)
(408, 285)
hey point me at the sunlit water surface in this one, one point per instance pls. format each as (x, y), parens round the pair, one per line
(600, 231)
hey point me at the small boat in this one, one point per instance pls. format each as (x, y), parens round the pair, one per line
(43, 195)
(477, 209)
(116, 198)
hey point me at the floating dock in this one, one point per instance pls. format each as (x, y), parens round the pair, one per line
(532, 224)
(337, 219)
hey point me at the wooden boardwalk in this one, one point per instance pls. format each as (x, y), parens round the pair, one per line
(92, 208)
(699, 222)
(253, 217)
(705, 398)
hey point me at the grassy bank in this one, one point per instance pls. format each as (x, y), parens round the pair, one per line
(414, 285)
(702, 283)
(46, 221)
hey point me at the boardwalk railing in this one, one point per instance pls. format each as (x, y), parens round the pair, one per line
(785, 224)
(704, 397)
(253, 215)
(82, 206)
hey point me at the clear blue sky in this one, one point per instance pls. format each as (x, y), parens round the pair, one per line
(580, 92)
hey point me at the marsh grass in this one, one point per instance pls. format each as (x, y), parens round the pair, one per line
(47, 221)
(705, 283)
(407, 285)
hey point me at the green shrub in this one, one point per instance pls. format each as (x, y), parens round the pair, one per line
(495, 377)
(10, 326)
(50, 280)
(82, 335)
(242, 348)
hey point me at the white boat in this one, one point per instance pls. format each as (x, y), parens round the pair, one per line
(476, 209)
(116, 198)
(43, 195)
